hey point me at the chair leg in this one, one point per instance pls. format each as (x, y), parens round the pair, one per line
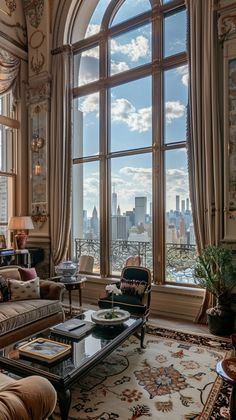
(142, 335)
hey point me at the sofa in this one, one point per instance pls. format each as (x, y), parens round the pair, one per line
(31, 398)
(31, 306)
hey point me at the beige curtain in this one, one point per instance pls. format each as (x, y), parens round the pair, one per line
(206, 146)
(9, 70)
(60, 155)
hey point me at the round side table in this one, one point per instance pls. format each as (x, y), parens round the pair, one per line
(226, 369)
(74, 283)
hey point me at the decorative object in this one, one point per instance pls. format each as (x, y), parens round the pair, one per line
(114, 316)
(39, 215)
(173, 378)
(66, 269)
(113, 289)
(21, 224)
(37, 144)
(2, 242)
(215, 272)
(45, 350)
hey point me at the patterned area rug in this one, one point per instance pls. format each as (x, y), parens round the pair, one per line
(173, 379)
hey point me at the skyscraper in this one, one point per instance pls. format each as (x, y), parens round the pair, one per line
(177, 202)
(140, 210)
(113, 201)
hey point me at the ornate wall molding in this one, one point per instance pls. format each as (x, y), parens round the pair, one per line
(38, 93)
(227, 26)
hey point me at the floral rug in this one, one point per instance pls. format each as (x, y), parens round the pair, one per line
(174, 378)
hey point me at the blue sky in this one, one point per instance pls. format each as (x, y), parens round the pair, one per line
(131, 115)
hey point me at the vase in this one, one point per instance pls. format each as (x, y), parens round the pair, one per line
(66, 269)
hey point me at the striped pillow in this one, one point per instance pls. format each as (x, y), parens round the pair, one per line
(24, 290)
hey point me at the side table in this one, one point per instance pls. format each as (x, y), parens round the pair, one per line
(74, 283)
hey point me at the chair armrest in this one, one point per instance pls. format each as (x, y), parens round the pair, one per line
(51, 290)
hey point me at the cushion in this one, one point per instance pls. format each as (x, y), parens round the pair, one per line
(27, 273)
(4, 291)
(23, 290)
(133, 287)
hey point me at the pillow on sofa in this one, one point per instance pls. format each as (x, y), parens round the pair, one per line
(24, 290)
(133, 287)
(4, 291)
(27, 273)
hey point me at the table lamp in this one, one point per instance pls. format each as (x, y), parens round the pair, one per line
(21, 224)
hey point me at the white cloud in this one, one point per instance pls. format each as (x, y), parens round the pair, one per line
(90, 104)
(118, 67)
(137, 120)
(89, 66)
(92, 29)
(183, 71)
(135, 49)
(176, 184)
(174, 109)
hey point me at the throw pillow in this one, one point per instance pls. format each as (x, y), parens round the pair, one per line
(24, 290)
(27, 273)
(133, 287)
(4, 291)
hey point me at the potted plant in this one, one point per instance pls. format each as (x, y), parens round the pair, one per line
(215, 272)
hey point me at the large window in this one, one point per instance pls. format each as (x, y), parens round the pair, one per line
(130, 174)
(7, 160)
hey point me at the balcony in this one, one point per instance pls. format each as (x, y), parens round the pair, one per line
(180, 258)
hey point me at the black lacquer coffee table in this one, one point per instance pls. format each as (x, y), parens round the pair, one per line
(86, 353)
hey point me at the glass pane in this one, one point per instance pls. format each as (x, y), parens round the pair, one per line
(86, 126)
(86, 67)
(175, 29)
(5, 205)
(96, 19)
(129, 9)
(180, 239)
(6, 105)
(130, 49)
(6, 148)
(131, 115)
(85, 212)
(131, 215)
(176, 100)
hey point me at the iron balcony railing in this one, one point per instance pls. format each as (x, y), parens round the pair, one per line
(180, 258)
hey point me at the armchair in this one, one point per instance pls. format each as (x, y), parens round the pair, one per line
(135, 284)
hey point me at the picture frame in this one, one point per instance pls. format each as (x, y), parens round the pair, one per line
(3, 244)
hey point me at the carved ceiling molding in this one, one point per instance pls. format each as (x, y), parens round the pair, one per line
(39, 92)
(227, 26)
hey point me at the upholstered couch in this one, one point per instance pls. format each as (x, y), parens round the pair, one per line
(23, 317)
(31, 398)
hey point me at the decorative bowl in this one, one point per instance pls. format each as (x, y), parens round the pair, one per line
(99, 317)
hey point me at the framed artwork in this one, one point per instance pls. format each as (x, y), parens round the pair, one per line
(2, 242)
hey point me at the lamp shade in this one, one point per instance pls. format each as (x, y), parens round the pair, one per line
(20, 223)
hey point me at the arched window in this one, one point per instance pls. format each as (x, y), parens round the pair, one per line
(130, 177)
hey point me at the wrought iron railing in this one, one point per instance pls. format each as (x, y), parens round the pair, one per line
(180, 258)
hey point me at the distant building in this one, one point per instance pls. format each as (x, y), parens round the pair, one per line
(177, 200)
(140, 210)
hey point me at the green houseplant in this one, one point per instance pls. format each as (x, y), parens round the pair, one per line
(215, 272)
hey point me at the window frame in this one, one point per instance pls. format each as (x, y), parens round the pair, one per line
(156, 69)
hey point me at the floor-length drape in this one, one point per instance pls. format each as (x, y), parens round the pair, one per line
(206, 145)
(60, 155)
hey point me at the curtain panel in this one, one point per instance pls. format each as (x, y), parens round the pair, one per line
(9, 70)
(60, 163)
(205, 151)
